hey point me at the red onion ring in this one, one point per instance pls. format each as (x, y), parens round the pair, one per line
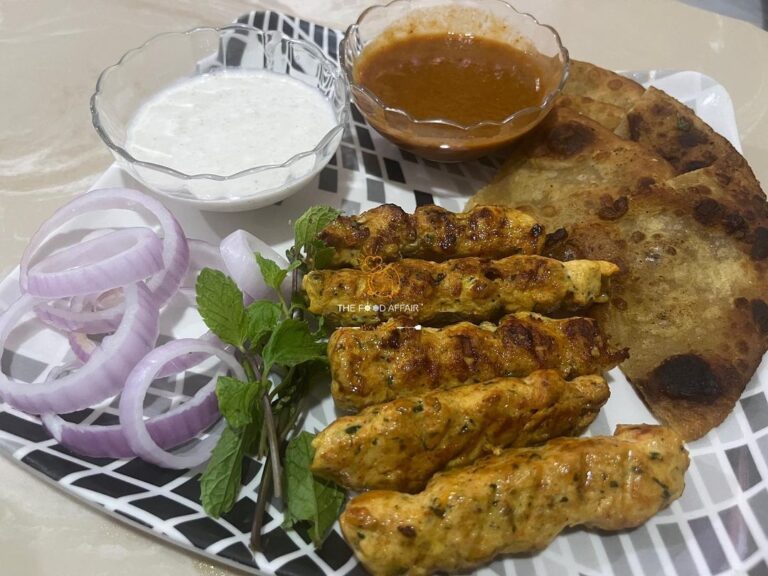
(201, 255)
(237, 251)
(74, 318)
(87, 277)
(167, 430)
(185, 362)
(83, 347)
(101, 314)
(135, 428)
(175, 252)
(103, 375)
(118, 258)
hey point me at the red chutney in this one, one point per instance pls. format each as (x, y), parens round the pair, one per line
(462, 78)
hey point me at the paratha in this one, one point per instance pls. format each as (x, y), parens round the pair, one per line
(608, 115)
(690, 302)
(585, 79)
(672, 130)
(599, 94)
(569, 169)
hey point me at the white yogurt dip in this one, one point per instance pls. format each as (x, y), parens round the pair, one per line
(227, 122)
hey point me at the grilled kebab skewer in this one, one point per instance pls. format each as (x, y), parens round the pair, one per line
(473, 289)
(388, 233)
(378, 364)
(401, 444)
(518, 501)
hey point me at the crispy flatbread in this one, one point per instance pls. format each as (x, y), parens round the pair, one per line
(672, 130)
(570, 168)
(690, 302)
(608, 115)
(585, 79)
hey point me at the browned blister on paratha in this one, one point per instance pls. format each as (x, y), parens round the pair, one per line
(570, 168)
(585, 79)
(691, 300)
(672, 130)
(608, 115)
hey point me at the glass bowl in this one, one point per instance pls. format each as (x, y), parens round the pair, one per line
(437, 138)
(165, 59)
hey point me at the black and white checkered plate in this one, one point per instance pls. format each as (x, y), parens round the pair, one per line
(720, 525)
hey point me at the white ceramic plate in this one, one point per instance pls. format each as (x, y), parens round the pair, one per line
(718, 526)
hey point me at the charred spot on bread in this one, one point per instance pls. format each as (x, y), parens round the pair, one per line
(569, 138)
(687, 377)
(613, 209)
(707, 211)
(760, 244)
(760, 315)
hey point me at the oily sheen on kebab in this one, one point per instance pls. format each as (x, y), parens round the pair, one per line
(467, 398)
(677, 208)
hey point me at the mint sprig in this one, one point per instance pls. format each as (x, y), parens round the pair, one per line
(281, 347)
(220, 303)
(292, 343)
(313, 500)
(307, 246)
(220, 483)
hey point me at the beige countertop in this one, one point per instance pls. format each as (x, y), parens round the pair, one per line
(51, 52)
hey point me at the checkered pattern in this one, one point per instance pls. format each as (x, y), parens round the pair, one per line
(720, 525)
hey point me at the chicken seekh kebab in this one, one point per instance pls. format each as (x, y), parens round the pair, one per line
(473, 289)
(378, 364)
(401, 444)
(517, 501)
(388, 233)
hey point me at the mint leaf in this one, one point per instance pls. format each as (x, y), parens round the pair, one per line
(309, 224)
(263, 317)
(234, 401)
(308, 497)
(320, 254)
(220, 303)
(272, 273)
(306, 230)
(290, 344)
(220, 482)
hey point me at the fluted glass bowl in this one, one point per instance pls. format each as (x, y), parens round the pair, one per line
(168, 58)
(437, 138)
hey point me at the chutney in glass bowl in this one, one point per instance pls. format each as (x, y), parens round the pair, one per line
(452, 80)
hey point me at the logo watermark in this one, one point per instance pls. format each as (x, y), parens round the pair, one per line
(383, 283)
(398, 308)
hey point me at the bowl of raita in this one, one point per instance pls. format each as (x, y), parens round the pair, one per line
(225, 119)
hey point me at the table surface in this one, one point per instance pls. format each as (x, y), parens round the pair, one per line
(53, 50)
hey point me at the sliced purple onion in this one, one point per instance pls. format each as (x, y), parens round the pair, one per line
(118, 258)
(168, 430)
(104, 373)
(237, 251)
(175, 254)
(72, 316)
(101, 314)
(82, 347)
(187, 361)
(135, 428)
